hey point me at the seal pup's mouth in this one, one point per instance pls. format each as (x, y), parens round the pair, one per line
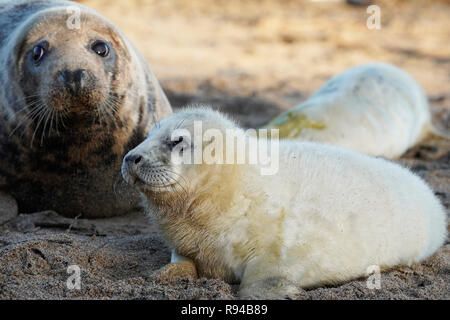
(137, 175)
(144, 186)
(129, 178)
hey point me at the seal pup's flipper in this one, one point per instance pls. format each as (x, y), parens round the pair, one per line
(182, 267)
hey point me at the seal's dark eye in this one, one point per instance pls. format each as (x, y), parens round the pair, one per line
(101, 48)
(176, 141)
(38, 53)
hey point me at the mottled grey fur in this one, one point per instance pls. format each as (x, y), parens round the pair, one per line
(72, 167)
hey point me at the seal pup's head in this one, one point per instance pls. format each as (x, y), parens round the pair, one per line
(167, 165)
(188, 200)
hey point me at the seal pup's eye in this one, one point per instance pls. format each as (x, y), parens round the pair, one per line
(38, 52)
(176, 141)
(101, 48)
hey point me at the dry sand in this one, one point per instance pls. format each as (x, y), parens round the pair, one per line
(250, 59)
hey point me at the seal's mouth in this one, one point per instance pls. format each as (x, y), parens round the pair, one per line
(145, 180)
(79, 112)
(89, 101)
(80, 92)
(146, 187)
(134, 180)
(129, 175)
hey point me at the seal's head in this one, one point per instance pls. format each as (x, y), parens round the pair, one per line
(75, 96)
(71, 69)
(174, 157)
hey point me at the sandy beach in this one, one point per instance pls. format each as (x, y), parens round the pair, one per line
(250, 59)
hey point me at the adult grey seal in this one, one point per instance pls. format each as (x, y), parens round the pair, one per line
(75, 96)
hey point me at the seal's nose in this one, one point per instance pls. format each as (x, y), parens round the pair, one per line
(133, 159)
(75, 81)
(130, 167)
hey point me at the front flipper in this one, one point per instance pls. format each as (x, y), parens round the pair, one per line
(179, 267)
(270, 288)
(263, 279)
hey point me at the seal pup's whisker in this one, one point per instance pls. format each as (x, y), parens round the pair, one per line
(178, 181)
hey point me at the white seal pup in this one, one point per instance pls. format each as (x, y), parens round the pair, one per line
(326, 216)
(376, 108)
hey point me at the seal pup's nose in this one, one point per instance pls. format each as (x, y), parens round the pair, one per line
(130, 165)
(133, 159)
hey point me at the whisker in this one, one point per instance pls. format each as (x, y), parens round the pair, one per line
(25, 98)
(41, 117)
(47, 117)
(29, 116)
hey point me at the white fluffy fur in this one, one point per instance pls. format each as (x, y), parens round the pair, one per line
(376, 108)
(325, 217)
(343, 212)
